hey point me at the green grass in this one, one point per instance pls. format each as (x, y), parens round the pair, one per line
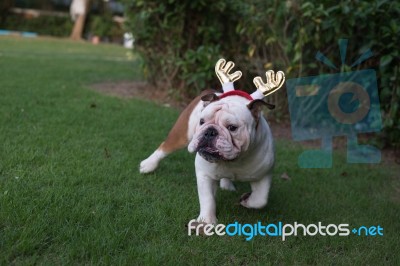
(70, 191)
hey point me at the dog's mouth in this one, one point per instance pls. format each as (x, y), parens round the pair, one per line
(210, 154)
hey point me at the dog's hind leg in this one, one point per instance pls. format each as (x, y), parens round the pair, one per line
(178, 138)
(150, 164)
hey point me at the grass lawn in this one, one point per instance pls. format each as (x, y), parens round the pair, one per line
(71, 193)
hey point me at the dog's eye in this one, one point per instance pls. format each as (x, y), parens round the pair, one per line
(201, 121)
(232, 128)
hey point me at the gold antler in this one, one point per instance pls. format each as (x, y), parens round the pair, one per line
(274, 82)
(222, 70)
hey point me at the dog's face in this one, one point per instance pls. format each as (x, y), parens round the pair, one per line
(225, 128)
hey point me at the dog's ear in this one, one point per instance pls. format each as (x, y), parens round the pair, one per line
(256, 106)
(209, 98)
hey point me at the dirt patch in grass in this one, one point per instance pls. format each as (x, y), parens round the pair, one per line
(139, 90)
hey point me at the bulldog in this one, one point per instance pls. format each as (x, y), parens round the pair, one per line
(231, 138)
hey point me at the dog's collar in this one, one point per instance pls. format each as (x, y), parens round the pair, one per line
(236, 93)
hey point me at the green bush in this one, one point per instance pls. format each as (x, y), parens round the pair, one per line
(100, 25)
(104, 26)
(180, 42)
(43, 25)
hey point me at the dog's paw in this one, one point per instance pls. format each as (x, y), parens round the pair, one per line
(148, 165)
(227, 184)
(207, 219)
(248, 200)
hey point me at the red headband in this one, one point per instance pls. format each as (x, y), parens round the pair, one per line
(236, 93)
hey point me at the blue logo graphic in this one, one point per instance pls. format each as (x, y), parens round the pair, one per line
(328, 105)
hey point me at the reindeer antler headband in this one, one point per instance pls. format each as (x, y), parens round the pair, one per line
(222, 70)
(274, 81)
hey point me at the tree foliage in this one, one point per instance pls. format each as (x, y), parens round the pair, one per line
(180, 42)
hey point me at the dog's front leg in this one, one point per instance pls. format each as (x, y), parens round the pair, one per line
(206, 188)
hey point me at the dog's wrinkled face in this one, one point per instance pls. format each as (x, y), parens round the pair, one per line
(224, 130)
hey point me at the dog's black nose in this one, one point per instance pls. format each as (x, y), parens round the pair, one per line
(210, 133)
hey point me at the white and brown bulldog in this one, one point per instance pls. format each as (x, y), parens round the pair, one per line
(231, 138)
